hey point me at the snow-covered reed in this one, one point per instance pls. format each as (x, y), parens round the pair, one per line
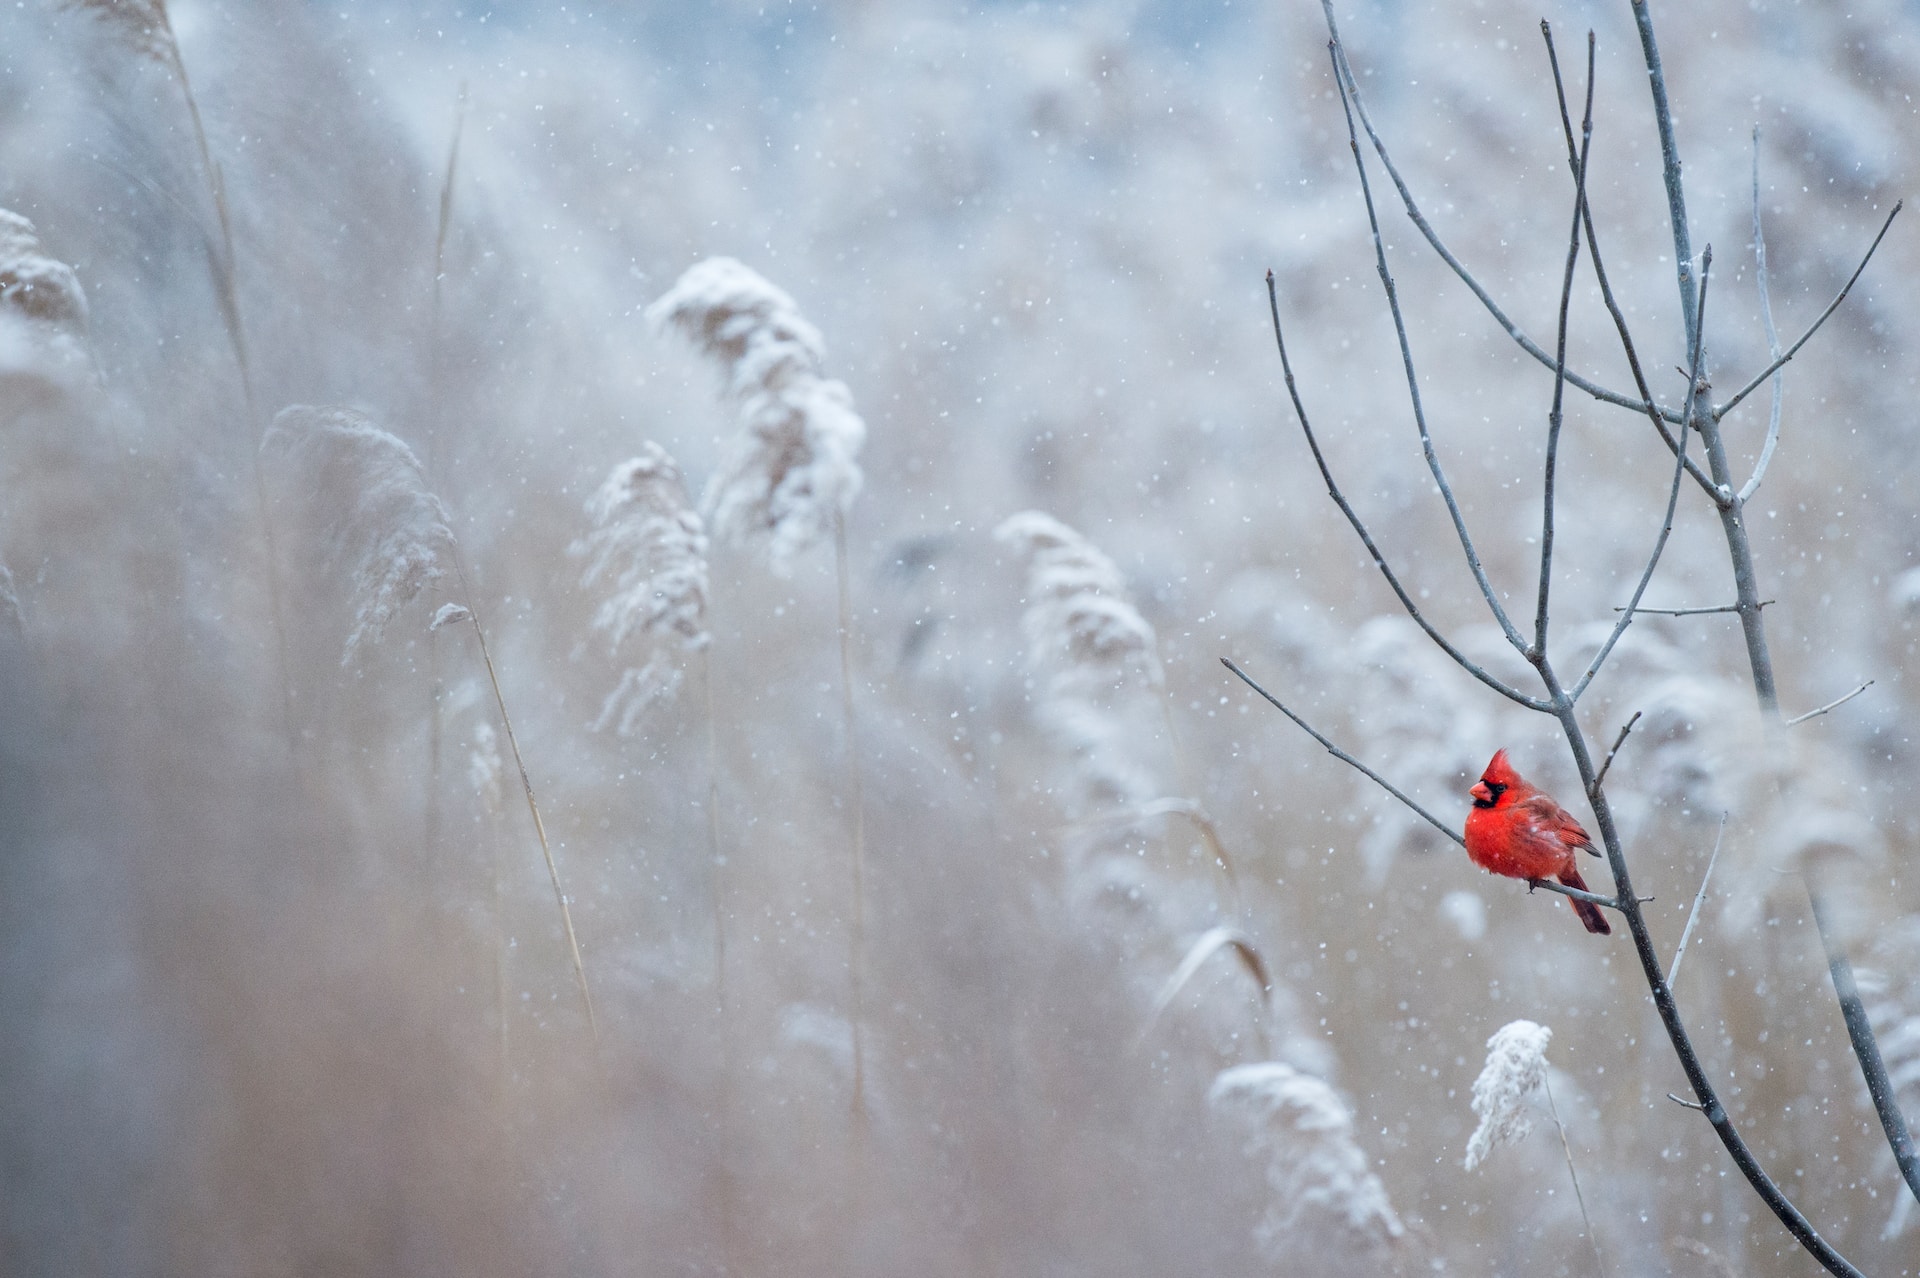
(1323, 1194)
(1516, 1069)
(1090, 653)
(649, 548)
(363, 487)
(795, 469)
(43, 310)
(34, 285)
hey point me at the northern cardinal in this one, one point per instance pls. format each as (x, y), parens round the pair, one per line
(1522, 833)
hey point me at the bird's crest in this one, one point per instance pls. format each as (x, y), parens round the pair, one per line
(1499, 771)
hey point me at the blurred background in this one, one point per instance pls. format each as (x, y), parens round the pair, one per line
(282, 983)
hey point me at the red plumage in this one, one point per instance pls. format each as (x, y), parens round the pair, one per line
(1517, 830)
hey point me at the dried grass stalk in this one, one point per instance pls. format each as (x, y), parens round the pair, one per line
(1090, 653)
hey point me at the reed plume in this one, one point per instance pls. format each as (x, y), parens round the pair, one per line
(1322, 1189)
(1090, 653)
(365, 490)
(34, 285)
(381, 526)
(795, 469)
(1516, 1068)
(787, 483)
(649, 546)
(43, 310)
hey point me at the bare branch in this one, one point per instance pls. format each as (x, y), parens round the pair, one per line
(1578, 894)
(1601, 776)
(1736, 1146)
(1360, 527)
(1673, 493)
(1345, 74)
(1860, 1030)
(1838, 701)
(1413, 380)
(1658, 416)
(1773, 335)
(1694, 612)
(1832, 306)
(1699, 898)
(1344, 757)
(1554, 416)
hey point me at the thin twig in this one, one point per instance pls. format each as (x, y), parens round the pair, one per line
(857, 959)
(1832, 306)
(1413, 381)
(1699, 898)
(1673, 498)
(1693, 612)
(1360, 527)
(1600, 778)
(1838, 701)
(1344, 757)
(1773, 335)
(1578, 1197)
(1578, 894)
(1439, 247)
(1658, 416)
(1680, 1100)
(1555, 415)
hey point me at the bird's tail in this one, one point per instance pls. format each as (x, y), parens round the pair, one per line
(1589, 913)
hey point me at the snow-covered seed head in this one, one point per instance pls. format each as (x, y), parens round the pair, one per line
(795, 468)
(1516, 1068)
(1316, 1171)
(1091, 654)
(648, 549)
(34, 286)
(1079, 618)
(364, 491)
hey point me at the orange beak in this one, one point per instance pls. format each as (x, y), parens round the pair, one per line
(1481, 792)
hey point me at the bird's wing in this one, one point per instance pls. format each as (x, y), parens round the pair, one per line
(1550, 818)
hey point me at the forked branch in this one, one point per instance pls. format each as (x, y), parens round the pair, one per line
(1366, 538)
(1781, 361)
(1434, 468)
(1344, 73)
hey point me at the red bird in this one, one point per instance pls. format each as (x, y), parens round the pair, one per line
(1522, 833)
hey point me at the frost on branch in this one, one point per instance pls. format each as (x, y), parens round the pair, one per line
(795, 469)
(1516, 1068)
(1323, 1195)
(363, 495)
(1091, 654)
(649, 551)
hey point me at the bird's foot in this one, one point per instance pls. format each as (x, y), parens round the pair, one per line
(1531, 885)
